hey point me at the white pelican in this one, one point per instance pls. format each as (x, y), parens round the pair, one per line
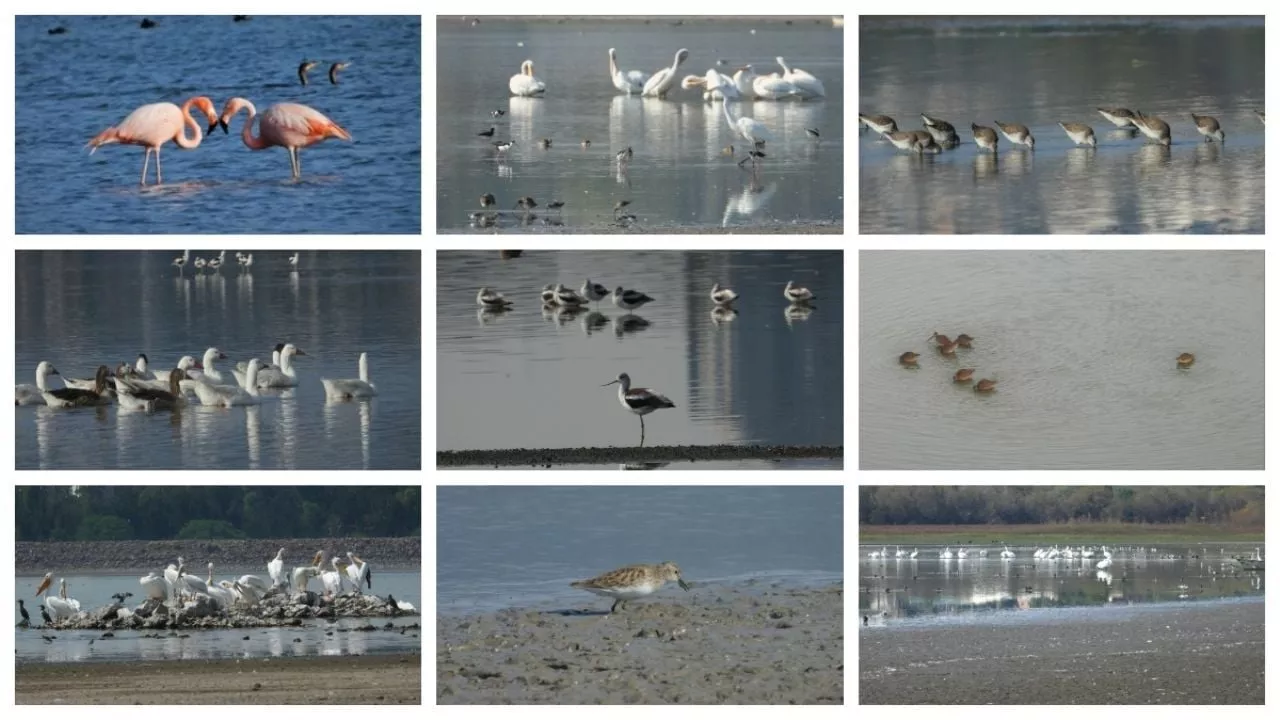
(62, 607)
(359, 572)
(946, 554)
(302, 576)
(247, 594)
(900, 553)
(275, 568)
(222, 594)
(807, 86)
(227, 395)
(914, 553)
(744, 80)
(665, 79)
(332, 579)
(628, 81)
(351, 388)
(697, 81)
(874, 554)
(525, 85)
(405, 606)
(191, 583)
(255, 582)
(156, 587)
(961, 554)
(773, 87)
(1105, 562)
(1007, 554)
(283, 376)
(33, 394)
(171, 577)
(44, 584)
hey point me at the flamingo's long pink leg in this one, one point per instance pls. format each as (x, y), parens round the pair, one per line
(158, 180)
(294, 165)
(146, 161)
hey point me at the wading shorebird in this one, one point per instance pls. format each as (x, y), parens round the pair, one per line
(486, 133)
(594, 291)
(1017, 134)
(913, 140)
(880, 123)
(1120, 117)
(630, 299)
(963, 375)
(544, 143)
(1153, 127)
(943, 132)
(798, 295)
(985, 385)
(1186, 360)
(1079, 133)
(964, 340)
(1209, 128)
(631, 582)
(492, 300)
(985, 138)
(722, 295)
(487, 199)
(640, 401)
(503, 145)
(909, 359)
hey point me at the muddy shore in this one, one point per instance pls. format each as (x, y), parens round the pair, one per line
(38, 558)
(542, 457)
(711, 646)
(1210, 653)
(358, 680)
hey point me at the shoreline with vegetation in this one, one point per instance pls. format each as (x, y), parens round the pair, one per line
(37, 558)
(1049, 534)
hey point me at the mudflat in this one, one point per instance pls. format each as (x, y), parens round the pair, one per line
(1208, 653)
(351, 680)
(716, 645)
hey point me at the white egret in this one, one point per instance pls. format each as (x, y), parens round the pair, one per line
(751, 130)
(665, 79)
(807, 86)
(628, 81)
(526, 84)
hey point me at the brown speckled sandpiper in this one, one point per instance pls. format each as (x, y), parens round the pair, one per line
(985, 385)
(1209, 127)
(1153, 127)
(943, 132)
(964, 340)
(908, 359)
(1080, 133)
(1017, 134)
(985, 137)
(1186, 360)
(963, 375)
(1120, 117)
(880, 123)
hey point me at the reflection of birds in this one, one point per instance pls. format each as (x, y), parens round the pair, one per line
(486, 133)
(287, 125)
(334, 69)
(303, 68)
(151, 126)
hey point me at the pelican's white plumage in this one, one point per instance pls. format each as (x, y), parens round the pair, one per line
(628, 81)
(227, 395)
(526, 84)
(275, 568)
(806, 85)
(344, 389)
(744, 81)
(773, 87)
(62, 607)
(358, 571)
(301, 577)
(665, 79)
(155, 586)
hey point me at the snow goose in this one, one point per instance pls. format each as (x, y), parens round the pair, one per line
(70, 397)
(347, 389)
(242, 367)
(228, 395)
(32, 394)
(161, 380)
(283, 376)
(137, 396)
(207, 373)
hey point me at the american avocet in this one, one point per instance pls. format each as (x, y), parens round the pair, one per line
(594, 291)
(293, 260)
(798, 295)
(487, 199)
(544, 143)
(549, 294)
(492, 299)
(722, 296)
(504, 145)
(813, 133)
(498, 113)
(640, 401)
(199, 263)
(630, 299)
(619, 205)
(526, 203)
(180, 262)
(567, 297)
(625, 156)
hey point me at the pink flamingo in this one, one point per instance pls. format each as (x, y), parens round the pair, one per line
(154, 125)
(289, 125)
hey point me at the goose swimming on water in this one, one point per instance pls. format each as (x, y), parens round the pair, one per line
(228, 395)
(70, 397)
(348, 389)
(33, 394)
(283, 376)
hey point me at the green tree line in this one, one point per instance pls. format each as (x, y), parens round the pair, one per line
(1018, 505)
(211, 512)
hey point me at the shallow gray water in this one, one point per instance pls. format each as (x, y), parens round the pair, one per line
(930, 589)
(531, 378)
(81, 309)
(960, 70)
(1083, 345)
(94, 592)
(501, 547)
(72, 86)
(678, 176)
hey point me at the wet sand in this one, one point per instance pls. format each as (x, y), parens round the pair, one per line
(362, 680)
(712, 646)
(662, 453)
(1193, 654)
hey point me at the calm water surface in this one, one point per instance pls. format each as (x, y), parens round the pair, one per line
(930, 589)
(678, 176)
(1083, 345)
(70, 87)
(960, 70)
(82, 309)
(94, 592)
(531, 378)
(502, 547)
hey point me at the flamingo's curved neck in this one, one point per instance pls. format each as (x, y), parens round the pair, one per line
(246, 134)
(188, 122)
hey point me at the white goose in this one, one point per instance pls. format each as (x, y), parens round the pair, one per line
(207, 373)
(33, 394)
(806, 85)
(241, 369)
(282, 376)
(665, 79)
(628, 81)
(161, 377)
(347, 389)
(526, 84)
(227, 395)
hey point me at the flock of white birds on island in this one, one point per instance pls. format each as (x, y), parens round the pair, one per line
(176, 585)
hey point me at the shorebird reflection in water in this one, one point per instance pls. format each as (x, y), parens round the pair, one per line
(640, 401)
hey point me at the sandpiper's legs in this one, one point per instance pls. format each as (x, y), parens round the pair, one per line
(616, 603)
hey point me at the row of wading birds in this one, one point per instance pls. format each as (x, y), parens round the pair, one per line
(939, 134)
(1082, 553)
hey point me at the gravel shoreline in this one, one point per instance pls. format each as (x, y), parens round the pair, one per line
(38, 558)
(1207, 653)
(711, 646)
(347, 680)
(568, 456)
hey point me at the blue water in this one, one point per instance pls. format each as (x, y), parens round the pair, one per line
(82, 309)
(506, 546)
(70, 87)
